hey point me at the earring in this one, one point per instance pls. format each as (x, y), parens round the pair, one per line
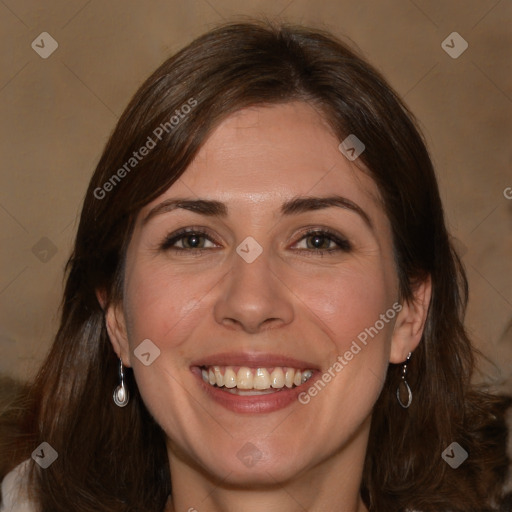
(121, 395)
(403, 388)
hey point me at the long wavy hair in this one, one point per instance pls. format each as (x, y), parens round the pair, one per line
(113, 459)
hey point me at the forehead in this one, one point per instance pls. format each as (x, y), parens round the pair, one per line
(262, 155)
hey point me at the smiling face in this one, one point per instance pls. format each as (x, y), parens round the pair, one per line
(290, 296)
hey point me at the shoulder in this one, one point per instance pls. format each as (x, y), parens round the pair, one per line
(14, 490)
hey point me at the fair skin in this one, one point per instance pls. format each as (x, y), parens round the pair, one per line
(290, 301)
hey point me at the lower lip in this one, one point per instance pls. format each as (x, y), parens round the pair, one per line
(252, 404)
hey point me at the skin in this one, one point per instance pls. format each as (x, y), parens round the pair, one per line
(288, 301)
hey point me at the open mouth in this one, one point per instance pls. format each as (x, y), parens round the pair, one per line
(246, 381)
(253, 382)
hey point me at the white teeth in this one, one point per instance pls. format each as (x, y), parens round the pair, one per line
(277, 378)
(261, 379)
(288, 378)
(229, 378)
(218, 376)
(257, 379)
(244, 378)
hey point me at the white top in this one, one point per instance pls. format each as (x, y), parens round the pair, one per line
(14, 497)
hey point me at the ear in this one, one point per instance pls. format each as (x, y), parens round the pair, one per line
(410, 322)
(116, 327)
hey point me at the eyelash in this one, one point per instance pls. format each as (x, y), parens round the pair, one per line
(343, 244)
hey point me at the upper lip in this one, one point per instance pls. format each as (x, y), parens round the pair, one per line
(253, 359)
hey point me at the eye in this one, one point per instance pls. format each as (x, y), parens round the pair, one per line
(317, 241)
(322, 241)
(188, 239)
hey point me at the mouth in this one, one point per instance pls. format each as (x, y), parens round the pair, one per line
(246, 381)
(253, 383)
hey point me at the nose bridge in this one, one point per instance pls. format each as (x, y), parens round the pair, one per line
(252, 296)
(252, 264)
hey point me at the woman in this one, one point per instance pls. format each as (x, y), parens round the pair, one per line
(263, 276)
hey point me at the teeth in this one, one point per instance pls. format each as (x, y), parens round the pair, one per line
(218, 376)
(229, 378)
(261, 379)
(244, 378)
(288, 378)
(277, 378)
(306, 375)
(256, 379)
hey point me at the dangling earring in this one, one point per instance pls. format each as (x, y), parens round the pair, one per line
(121, 395)
(403, 387)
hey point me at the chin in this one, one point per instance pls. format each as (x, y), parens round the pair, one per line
(248, 466)
(260, 475)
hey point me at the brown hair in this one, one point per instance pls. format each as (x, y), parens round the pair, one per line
(113, 459)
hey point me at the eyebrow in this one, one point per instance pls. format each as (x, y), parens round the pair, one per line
(212, 208)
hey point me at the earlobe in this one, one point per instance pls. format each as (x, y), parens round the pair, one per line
(410, 322)
(116, 328)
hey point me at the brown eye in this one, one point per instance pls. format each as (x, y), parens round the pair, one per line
(318, 241)
(321, 241)
(187, 240)
(192, 241)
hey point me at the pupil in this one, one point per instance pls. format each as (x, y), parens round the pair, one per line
(193, 240)
(317, 241)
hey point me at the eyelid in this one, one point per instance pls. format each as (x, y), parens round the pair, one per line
(181, 233)
(342, 243)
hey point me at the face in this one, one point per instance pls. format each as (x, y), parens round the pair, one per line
(262, 284)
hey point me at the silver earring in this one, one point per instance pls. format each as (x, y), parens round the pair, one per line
(403, 388)
(121, 396)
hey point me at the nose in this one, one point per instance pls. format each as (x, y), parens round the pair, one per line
(253, 297)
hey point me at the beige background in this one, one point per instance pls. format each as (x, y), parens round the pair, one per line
(58, 112)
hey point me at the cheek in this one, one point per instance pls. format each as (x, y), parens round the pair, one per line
(348, 301)
(160, 302)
